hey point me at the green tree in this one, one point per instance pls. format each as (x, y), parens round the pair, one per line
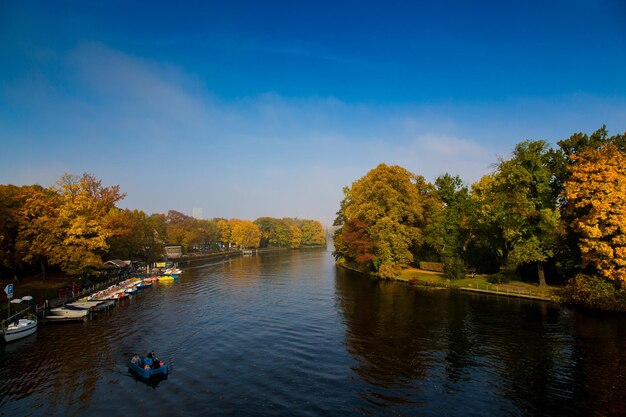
(526, 205)
(313, 233)
(454, 232)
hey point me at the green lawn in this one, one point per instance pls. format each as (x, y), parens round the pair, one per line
(479, 281)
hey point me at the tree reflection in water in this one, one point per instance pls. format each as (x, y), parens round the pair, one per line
(482, 354)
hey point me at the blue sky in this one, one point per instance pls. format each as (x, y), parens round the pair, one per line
(248, 109)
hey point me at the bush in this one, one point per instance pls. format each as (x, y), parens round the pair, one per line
(389, 270)
(594, 292)
(502, 277)
(432, 266)
(454, 268)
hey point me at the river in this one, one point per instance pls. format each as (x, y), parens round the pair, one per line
(289, 334)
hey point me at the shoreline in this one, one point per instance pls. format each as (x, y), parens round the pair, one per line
(505, 290)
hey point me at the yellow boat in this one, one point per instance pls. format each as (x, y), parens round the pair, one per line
(166, 278)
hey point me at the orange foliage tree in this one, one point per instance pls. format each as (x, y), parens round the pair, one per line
(596, 187)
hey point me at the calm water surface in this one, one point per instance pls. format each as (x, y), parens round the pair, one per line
(289, 334)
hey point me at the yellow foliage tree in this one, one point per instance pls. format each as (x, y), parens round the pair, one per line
(68, 224)
(296, 236)
(388, 202)
(39, 232)
(225, 231)
(246, 234)
(596, 187)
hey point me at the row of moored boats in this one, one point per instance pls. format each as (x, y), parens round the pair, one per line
(26, 324)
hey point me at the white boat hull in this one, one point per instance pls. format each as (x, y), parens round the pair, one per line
(26, 327)
(65, 312)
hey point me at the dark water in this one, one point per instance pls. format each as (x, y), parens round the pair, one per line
(289, 334)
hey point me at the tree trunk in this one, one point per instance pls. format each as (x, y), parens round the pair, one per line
(542, 276)
(43, 268)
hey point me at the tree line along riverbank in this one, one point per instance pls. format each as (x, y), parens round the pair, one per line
(554, 214)
(74, 226)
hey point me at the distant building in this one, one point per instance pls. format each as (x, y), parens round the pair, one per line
(174, 251)
(118, 263)
(196, 213)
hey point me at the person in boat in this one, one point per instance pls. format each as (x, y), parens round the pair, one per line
(136, 360)
(155, 360)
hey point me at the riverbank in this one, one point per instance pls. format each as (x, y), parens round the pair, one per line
(56, 288)
(479, 283)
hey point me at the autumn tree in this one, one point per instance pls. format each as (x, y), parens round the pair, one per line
(246, 234)
(225, 232)
(12, 202)
(596, 188)
(68, 224)
(313, 233)
(82, 222)
(563, 159)
(353, 243)
(295, 235)
(135, 236)
(39, 231)
(388, 201)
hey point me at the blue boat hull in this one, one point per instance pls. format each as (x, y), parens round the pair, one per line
(147, 373)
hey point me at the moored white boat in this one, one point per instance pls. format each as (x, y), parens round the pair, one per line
(68, 312)
(20, 329)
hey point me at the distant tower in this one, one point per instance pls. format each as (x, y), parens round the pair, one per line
(196, 212)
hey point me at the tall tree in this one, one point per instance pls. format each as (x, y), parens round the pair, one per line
(225, 231)
(563, 160)
(67, 225)
(135, 236)
(12, 201)
(39, 229)
(526, 205)
(456, 207)
(296, 236)
(246, 234)
(596, 188)
(313, 233)
(388, 201)
(83, 226)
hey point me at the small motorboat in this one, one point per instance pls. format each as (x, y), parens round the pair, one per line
(21, 328)
(144, 368)
(131, 290)
(93, 305)
(67, 313)
(144, 284)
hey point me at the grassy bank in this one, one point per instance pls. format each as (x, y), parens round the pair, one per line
(479, 283)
